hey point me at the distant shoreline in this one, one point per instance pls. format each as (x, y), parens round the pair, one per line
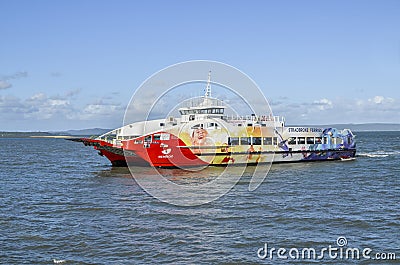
(38, 135)
(52, 136)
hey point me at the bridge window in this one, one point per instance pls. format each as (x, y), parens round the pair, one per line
(245, 141)
(276, 141)
(233, 140)
(301, 140)
(267, 141)
(318, 140)
(256, 140)
(157, 137)
(292, 141)
(310, 140)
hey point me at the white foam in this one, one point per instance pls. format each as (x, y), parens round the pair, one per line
(348, 159)
(379, 153)
(58, 261)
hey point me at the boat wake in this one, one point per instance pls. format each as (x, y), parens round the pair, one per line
(58, 261)
(379, 154)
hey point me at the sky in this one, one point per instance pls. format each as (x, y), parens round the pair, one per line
(75, 64)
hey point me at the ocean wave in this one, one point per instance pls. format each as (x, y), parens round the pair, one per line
(379, 153)
(58, 261)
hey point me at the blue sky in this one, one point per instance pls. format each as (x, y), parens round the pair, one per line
(75, 64)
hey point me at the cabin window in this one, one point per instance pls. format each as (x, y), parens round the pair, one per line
(292, 141)
(162, 124)
(318, 140)
(245, 141)
(256, 140)
(310, 140)
(157, 137)
(147, 138)
(267, 140)
(239, 125)
(233, 140)
(250, 124)
(301, 140)
(275, 140)
(200, 125)
(325, 140)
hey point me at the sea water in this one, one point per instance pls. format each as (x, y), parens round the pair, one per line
(62, 203)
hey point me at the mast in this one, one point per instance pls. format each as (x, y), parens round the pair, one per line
(208, 87)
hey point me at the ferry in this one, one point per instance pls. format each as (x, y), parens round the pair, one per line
(205, 135)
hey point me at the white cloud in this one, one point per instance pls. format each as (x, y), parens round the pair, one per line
(43, 112)
(340, 110)
(63, 112)
(101, 109)
(381, 100)
(4, 79)
(42, 107)
(4, 84)
(377, 99)
(16, 75)
(74, 92)
(323, 104)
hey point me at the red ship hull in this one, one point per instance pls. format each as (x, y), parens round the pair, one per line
(164, 153)
(114, 154)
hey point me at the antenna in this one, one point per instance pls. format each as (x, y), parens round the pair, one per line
(208, 87)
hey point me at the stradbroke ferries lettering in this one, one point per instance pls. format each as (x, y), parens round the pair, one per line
(304, 129)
